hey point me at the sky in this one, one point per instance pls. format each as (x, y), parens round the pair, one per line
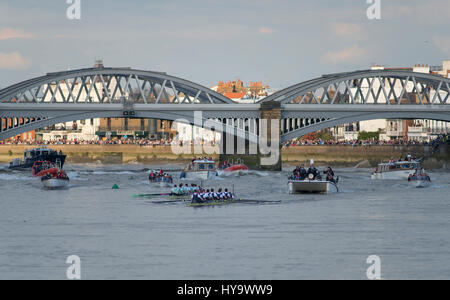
(279, 42)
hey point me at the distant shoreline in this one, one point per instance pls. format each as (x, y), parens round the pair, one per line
(336, 155)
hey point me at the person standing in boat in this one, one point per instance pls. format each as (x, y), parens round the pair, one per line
(151, 177)
(329, 175)
(312, 170)
(302, 173)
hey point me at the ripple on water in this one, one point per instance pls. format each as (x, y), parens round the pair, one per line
(304, 236)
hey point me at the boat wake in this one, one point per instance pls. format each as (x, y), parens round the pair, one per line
(9, 176)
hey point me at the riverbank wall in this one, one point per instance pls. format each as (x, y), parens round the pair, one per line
(336, 155)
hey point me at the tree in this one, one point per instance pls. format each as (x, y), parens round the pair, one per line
(373, 135)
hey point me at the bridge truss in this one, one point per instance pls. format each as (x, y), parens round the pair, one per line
(316, 104)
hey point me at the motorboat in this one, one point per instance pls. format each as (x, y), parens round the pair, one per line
(396, 170)
(55, 181)
(419, 179)
(41, 168)
(199, 169)
(311, 186)
(159, 178)
(310, 181)
(38, 154)
(233, 168)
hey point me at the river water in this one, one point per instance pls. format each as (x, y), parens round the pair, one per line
(117, 236)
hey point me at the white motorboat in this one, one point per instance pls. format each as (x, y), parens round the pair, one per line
(311, 186)
(201, 169)
(159, 179)
(396, 170)
(421, 183)
(55, 183)
(420, 179)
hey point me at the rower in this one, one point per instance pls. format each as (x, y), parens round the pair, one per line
(214, 195)
(221, 194)
(205, 196)
(228, 194)
(175, 190)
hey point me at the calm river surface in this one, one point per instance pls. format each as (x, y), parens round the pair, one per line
(303, 237)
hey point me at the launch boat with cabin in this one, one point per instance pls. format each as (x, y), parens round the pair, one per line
(38, 154)
(311, 181)
(200, 169)
(396, 170)
(312, 186)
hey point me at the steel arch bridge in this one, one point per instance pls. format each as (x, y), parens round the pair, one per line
(316, 104)
(336, 99)
(108, 92)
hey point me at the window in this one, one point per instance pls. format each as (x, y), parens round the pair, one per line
(201, 166)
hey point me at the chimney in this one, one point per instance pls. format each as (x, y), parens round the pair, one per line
(99, 64)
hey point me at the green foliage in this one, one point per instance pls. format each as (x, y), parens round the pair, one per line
(373, 135)
(324, 135)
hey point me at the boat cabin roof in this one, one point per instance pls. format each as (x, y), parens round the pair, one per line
(40, 150)
(204, 161)
(400, 163)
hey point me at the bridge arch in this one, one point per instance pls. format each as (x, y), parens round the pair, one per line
(100, 92)
(33, 122)
(327, 121)
(382, 87)
(110, 85)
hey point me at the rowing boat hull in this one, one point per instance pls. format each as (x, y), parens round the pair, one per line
(307, 186)
(209, 204)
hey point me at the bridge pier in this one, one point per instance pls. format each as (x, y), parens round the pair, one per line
(252, 155)
(271, 111)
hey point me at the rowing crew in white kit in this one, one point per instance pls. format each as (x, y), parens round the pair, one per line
(201, 195)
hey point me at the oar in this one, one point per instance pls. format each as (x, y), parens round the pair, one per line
(335, 185)
(168, 201)
(150, 195)
(256, 201)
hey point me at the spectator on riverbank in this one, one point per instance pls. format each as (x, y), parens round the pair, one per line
(367, 143)
(169, 142)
